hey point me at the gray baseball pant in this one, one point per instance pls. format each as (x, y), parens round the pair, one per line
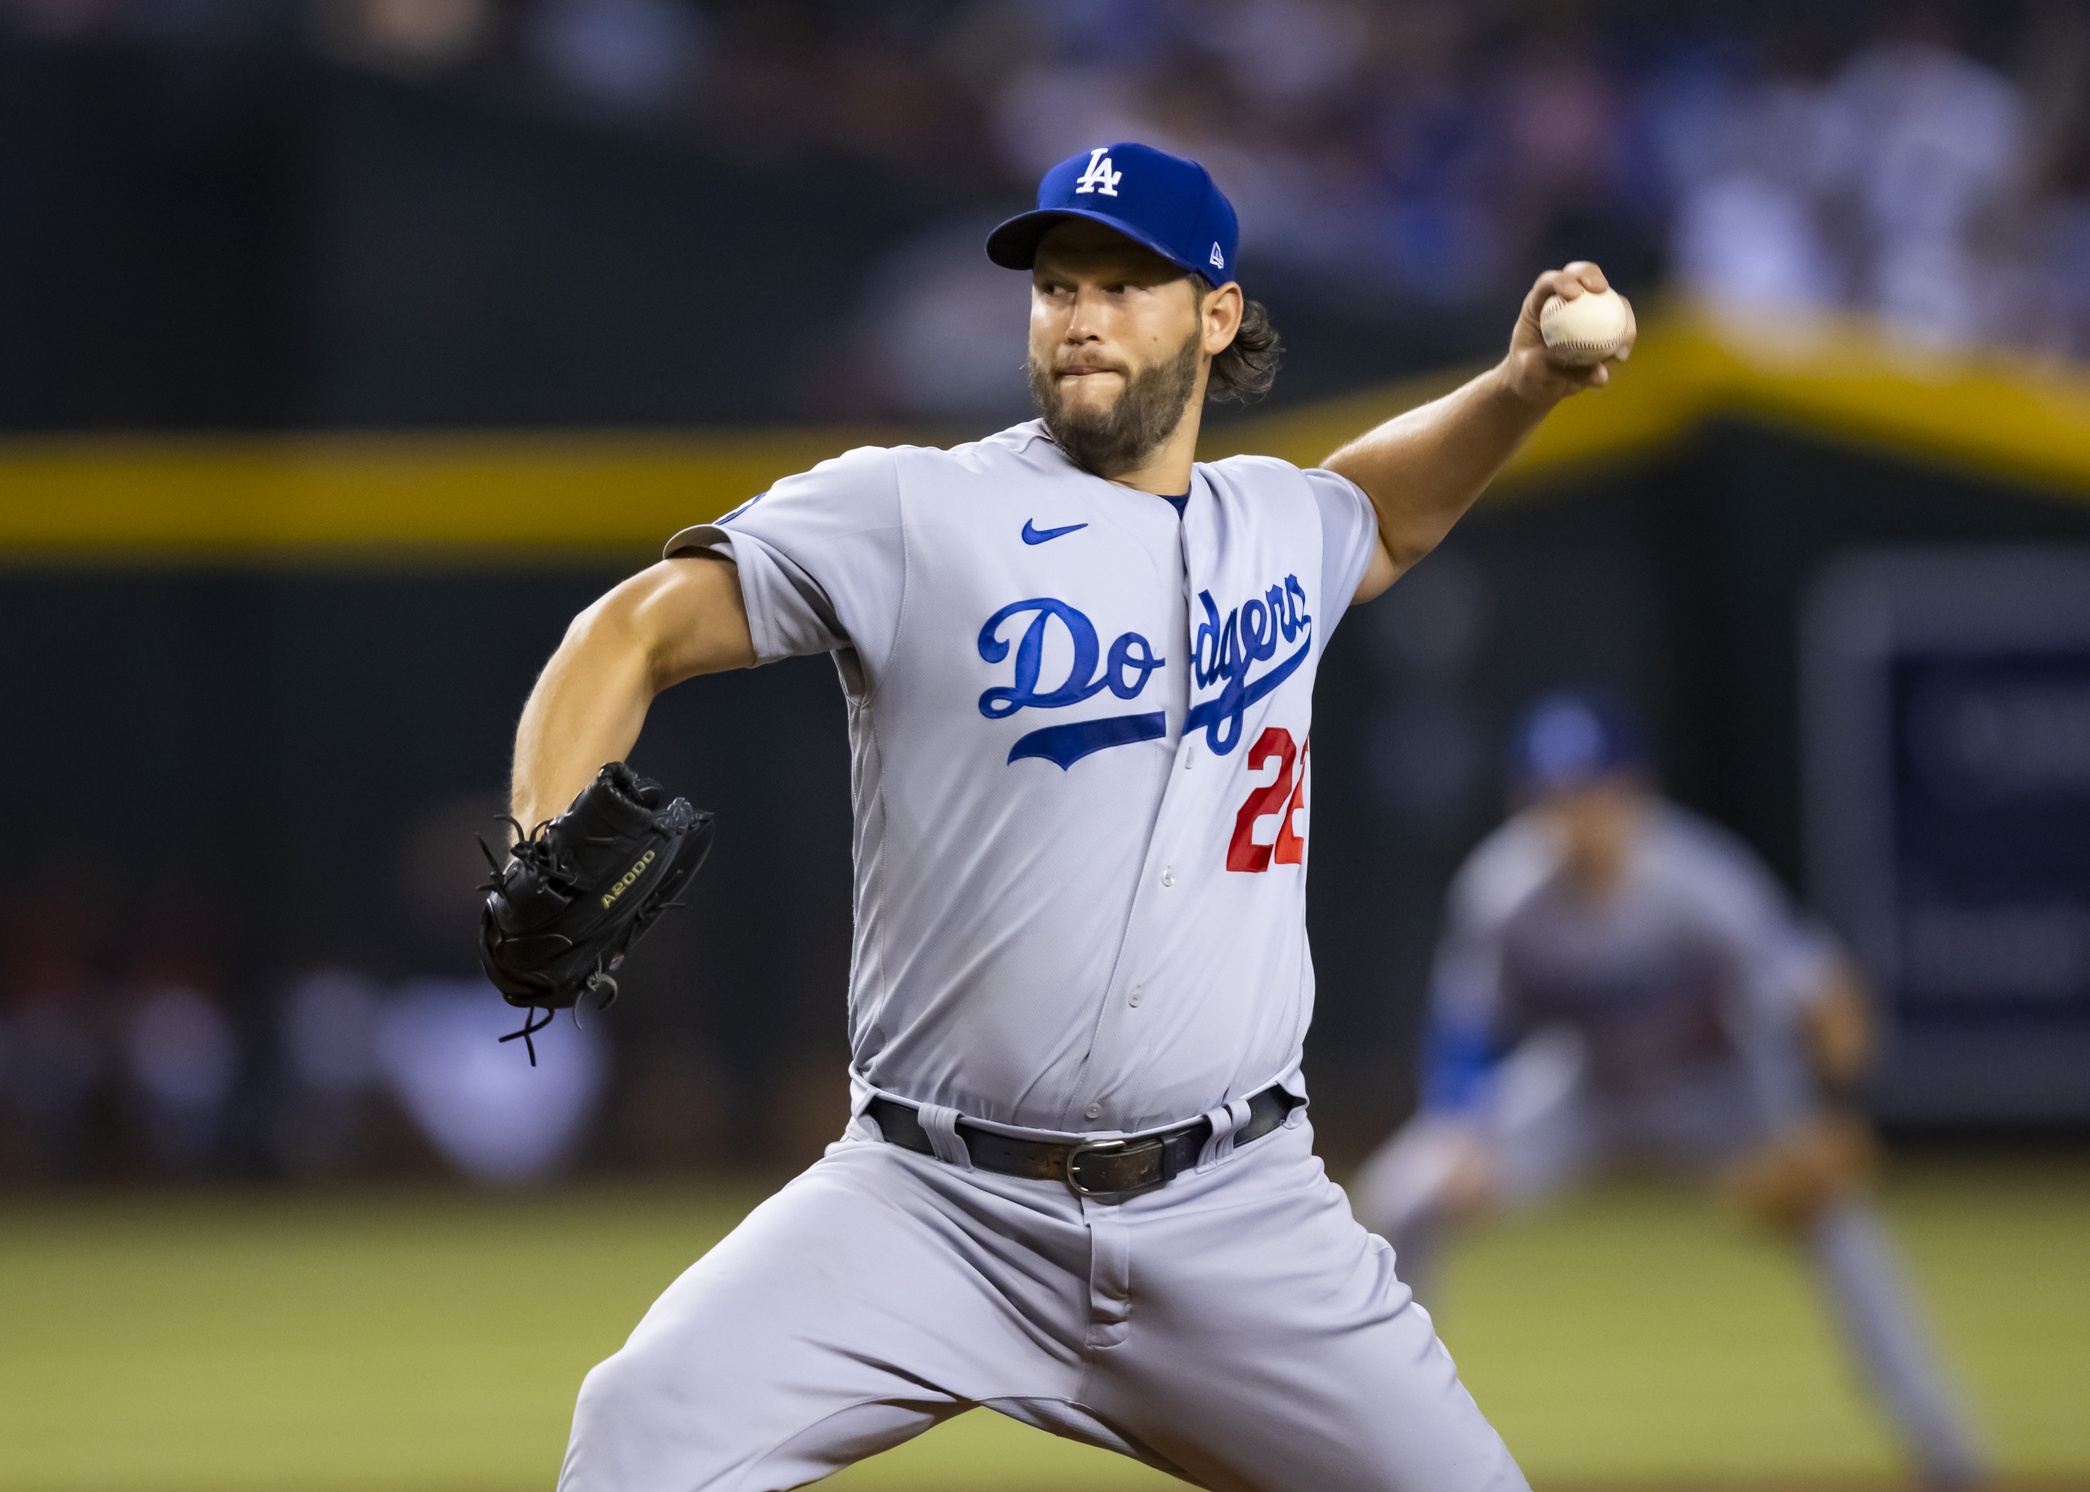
(1236, 1327)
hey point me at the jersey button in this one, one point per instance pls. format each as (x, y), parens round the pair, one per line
(1139, 993)
(1168, 875)
(1094, 1111)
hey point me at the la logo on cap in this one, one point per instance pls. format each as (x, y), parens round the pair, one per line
(1100, 178)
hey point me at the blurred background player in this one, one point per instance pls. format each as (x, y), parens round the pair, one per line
(1620, 980)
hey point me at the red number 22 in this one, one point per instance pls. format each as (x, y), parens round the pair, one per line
(1282, 795)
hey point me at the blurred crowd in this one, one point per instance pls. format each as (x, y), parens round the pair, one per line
(130, 1049)
(151, 1076)
(1927, 163)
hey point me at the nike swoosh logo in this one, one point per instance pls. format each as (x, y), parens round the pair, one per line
(1032, 534)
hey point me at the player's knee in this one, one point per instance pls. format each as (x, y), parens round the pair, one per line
(626, 1392)
(635, 1421)
(605, 1391)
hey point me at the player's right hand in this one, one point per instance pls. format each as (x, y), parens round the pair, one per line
(1532, 374)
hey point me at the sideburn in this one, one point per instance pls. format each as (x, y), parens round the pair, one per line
(1145, 415)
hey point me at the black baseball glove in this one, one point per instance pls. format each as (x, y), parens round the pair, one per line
(578, 890)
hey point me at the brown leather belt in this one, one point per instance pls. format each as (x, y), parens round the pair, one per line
(1091, 1168)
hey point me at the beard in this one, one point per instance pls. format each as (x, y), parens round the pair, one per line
(1118, 439)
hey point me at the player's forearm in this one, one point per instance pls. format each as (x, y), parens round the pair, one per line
(1837, 1027)
(1424, 469)
(587, 708)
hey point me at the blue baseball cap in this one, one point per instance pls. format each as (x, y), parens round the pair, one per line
(1170, 204)
(1564, 741)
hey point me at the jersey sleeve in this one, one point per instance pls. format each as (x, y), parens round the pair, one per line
(1467, 1031)
(1781, 958)
(1349, 532)
(1780, 962)
(1460, 1041)
(821, 559)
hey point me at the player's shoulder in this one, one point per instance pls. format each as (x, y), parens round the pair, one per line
(1263, 479)
(1255, 473)
(1691, 853)
(1504, 870)
(1024, 448)
(850, 479)
(1247, 464)
(853, 492)
(1024, 445)
(1684, 836)
(858, 463)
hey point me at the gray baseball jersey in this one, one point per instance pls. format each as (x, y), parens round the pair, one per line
(1079, 724)
(1695, 960)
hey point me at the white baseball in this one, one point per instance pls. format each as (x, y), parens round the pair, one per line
(1585, 330)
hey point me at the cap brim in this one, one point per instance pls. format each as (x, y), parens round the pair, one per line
(1014, 244)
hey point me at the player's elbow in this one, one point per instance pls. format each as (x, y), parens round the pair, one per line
(680, 618)
(1379, 573)
(1409, 538)
(1400, 549)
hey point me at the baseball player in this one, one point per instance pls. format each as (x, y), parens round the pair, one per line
(1620, 979)
(1078, 1185)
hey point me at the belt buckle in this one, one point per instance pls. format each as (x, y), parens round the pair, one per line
(1110, 1151)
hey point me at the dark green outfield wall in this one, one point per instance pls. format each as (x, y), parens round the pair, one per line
(247, 751)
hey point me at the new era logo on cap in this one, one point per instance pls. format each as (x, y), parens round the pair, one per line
(1170, 204)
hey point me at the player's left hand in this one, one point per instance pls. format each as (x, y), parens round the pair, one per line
(1533, 373)
(579, 890)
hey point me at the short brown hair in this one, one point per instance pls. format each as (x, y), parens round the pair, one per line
(1247, 366)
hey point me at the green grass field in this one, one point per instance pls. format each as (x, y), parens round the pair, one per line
(399, 1340)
